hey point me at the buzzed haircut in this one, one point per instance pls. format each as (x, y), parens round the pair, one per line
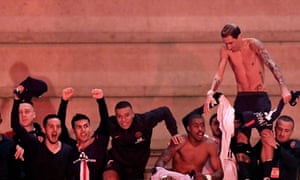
(50, 116)
(230, 30)
(189, 119)
(122, 104)
(285, 118)
(27, 102)
(78, 117)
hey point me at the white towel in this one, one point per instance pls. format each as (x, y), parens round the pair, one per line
(226, 118)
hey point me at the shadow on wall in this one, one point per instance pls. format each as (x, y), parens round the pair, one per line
(43, 106)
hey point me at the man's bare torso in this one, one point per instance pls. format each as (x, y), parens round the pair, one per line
(191, 158)
(247, 67)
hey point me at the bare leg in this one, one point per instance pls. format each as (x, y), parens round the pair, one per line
(267, 139)
(267, 152)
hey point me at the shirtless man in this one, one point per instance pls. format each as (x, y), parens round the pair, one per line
(189, 156)
(247, 57)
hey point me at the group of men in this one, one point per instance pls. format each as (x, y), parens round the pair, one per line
(49, 152)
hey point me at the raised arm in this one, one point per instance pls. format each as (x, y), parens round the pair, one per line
(29, 140)
(264, 55)
(15, 125)
(200, 110)
(161, 114)
(210, 101)
(67, 93)
(103, 112)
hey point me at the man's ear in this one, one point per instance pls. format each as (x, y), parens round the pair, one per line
(240, 36)
(34, 115)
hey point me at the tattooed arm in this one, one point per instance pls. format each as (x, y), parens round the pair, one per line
(266, 58)
(169, 153)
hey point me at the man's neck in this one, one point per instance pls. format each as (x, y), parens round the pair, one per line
(82, 145)
(53, 147)
(29, 128)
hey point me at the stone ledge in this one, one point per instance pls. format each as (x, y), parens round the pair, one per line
(137, 37)
(151, 91)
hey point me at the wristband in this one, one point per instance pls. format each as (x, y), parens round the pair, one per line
(210, 92)
(208, 176)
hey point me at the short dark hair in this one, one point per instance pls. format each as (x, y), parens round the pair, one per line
(50, 116)
(212, 118)
(189, 119)
(285, 118)
(122, 104)
(230, 30)
(78, 117)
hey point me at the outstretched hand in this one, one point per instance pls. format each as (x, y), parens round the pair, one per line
(177, 139)
(286, 95)
(19, 90)
(269, 139)
(19, 154)
(97, 93)
(212, 100)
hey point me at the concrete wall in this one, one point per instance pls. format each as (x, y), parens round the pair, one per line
(151, 53)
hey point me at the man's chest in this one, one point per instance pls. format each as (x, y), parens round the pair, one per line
(131, 137)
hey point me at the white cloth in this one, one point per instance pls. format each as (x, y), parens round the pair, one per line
(163, 173)
(226, 118)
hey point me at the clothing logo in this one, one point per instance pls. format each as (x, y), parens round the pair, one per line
(139, 137)
(262, 120)
(110, 163)
(116, 137)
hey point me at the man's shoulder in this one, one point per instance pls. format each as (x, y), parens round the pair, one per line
(209, 140)
(253, 42)
(184, 140)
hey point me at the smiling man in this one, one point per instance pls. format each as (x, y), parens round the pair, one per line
(190, 156)
(90, 147)
(131, 138)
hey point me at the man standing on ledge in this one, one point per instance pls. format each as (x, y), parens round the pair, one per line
(247, 57)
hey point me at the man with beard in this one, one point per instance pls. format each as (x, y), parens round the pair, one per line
(215, 130)
(90, 148)
(189, 157)
(216, 137)
(50, 159)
